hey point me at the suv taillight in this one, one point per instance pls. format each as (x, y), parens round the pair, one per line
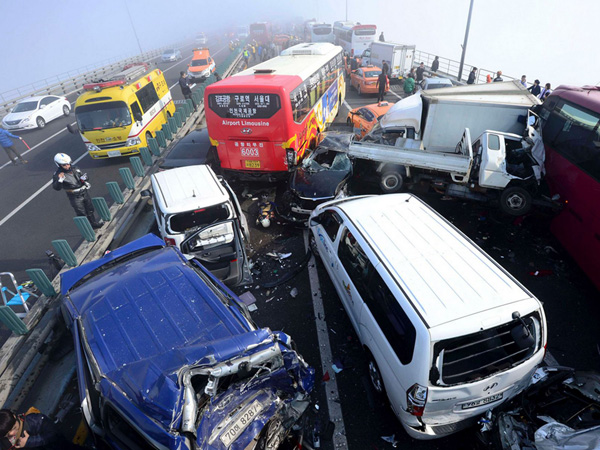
(416, 397)
(169, 241)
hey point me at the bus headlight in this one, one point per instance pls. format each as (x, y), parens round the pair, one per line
(92, 147)
(291, 158)
(133, 141)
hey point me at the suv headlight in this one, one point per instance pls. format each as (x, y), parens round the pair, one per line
(133, 141)
(92, 147)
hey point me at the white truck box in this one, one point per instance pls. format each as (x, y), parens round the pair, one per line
(400, 57)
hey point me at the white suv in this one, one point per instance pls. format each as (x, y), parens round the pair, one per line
(198, 212)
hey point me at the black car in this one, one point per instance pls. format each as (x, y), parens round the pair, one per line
(193, 149)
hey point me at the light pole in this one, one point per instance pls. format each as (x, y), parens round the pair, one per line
(346, 10)
(133, 27)
(464, 46)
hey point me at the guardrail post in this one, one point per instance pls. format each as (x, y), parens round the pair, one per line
(190, 105)
(184, 111)
(161, 139)
(9, 318)
(196, 97)
(178, 118)
(101, 208)
(138, 168)
(42, 282)
(167, 131)
(146, 157)
(153, 144)
(127, 177)
(85, 228)
(115, 192)
(172, 124)
(64, 251)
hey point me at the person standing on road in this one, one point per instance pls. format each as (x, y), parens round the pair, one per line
(185, 87)
(7, 144)
(535, 89)
(74, 182)
(472, 76)
(381, 37)
(381, 84)
(498, 76)
(385, 68)
(435, 65)
(420, 72)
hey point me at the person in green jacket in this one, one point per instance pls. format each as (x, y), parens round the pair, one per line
(409, 85)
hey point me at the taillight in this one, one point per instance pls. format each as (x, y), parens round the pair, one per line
(169, 241)
(291, 157)
(416, 397)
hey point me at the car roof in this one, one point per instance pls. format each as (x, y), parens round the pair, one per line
(444, 275)
(201, 53)
(148, 317)
(187, 188)
(438, 80)
(190, 150)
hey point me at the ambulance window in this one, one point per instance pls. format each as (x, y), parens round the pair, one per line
(147, 96)
(136, 111)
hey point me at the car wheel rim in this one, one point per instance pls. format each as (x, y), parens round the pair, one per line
(40, 122)
(375, 377)
(515, 202)
(391, 182)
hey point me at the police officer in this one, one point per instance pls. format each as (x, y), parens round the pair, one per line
(70, 179)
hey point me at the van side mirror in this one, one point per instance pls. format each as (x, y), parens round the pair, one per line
(146, 193)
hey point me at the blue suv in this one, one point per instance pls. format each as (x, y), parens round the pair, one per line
(169, 358)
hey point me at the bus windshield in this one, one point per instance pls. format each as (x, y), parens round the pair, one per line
(102, 116)
(322, 30)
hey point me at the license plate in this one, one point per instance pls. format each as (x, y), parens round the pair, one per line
(113, 153)
(483, 401)
(252, 164)
(244, 418)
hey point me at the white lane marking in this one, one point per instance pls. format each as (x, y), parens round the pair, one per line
(331, 391)
(37, 145)
(392, 92)
(34, 195)
(347, 105)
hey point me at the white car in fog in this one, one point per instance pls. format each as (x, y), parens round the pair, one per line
(171, 55)
(36, 112)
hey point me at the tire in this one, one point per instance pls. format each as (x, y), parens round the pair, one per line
(66, 110)
(515, 201)
(391, 181)
(375, 376)
(359, 90)
(41, 123)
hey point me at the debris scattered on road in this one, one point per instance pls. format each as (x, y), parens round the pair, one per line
(279, 256)
(248, 298)
(391, 439)
(294, 292)
(252, 307)
(326, 377)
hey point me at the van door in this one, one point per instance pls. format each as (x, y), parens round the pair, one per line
(220, 248)
(237, 208)
(492, 172)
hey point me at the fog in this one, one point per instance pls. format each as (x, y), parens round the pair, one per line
(544, 39)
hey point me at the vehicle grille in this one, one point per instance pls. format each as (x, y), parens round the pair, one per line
(482, 354)
(12, 122)
(112, 145)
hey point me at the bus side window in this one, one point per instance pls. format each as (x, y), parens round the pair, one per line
(136, 111)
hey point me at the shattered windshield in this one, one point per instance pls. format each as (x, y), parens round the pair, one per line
(324, 159)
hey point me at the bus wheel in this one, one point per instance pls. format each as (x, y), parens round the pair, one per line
(515, 201)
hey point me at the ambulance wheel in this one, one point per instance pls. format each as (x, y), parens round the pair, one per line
(66, 110)
(41, 123)
(515, 201)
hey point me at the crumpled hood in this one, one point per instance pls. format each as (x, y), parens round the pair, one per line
(316, 185)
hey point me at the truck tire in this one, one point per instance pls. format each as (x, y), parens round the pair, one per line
(515, 201)
(391, 181)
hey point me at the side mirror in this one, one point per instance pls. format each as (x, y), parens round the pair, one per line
(42, 106)
(146, 193)
(73, 129)
(314, 221)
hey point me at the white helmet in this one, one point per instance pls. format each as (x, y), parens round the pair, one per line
(62, 158)
(265, 222)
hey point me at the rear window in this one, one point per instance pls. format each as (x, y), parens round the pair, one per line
(244, 106)
(198, 218)
(365, 32)
(485, 353)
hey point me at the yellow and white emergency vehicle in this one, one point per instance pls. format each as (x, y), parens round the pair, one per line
(116, 117)
(202, 64)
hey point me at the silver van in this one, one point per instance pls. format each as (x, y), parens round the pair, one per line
(449, 333)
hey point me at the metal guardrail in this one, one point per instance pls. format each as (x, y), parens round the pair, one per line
(450, 67)
(71, 82)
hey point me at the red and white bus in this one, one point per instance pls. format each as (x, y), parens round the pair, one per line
(353, 37)
(261, 32)
(571, 133)
(263, 119)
